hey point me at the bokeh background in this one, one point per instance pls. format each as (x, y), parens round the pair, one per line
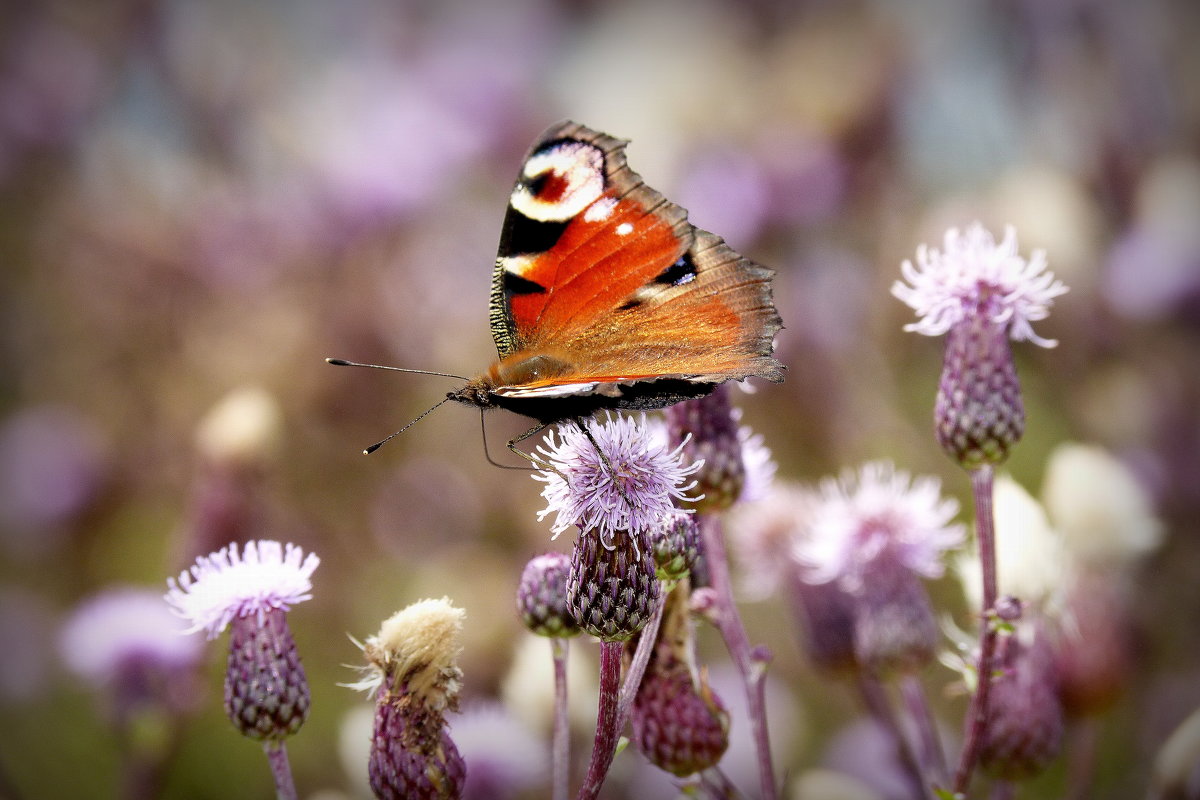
(205, 199)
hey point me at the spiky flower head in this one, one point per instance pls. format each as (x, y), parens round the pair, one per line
(612, 589)
(413, 673)
(876, 512)
(1025, 718)
(975, 277)
(266, 690)
(707, 431)
(981, 294)
(542, 596)
(874, 533)
(635, 490)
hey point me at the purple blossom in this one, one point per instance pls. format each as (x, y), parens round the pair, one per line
(120, 626)
(647, 477)
(875, 512)
(975, 276)
(225, 585)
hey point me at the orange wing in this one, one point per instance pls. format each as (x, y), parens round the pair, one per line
(607, 275)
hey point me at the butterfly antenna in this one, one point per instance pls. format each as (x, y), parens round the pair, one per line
(341, 362)
(420, 417)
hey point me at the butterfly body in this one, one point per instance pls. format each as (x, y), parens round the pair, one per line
(605, 296)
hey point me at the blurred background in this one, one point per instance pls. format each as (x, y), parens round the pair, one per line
(200, 201)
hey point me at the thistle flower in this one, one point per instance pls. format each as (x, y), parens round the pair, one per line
(640, 490)
(981, 294)
(878, 511)
(125, 639)
(542, 596)
(266, 691)
(413, 673)
(874, 533)
(973, 277)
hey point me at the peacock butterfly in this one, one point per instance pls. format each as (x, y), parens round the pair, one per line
(604, 296)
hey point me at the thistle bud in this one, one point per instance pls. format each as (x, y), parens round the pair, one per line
(676, 547)
(708, 432)
(542, 596)
(1025, 718)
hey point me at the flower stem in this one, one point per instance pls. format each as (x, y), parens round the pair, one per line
(931, 756)
(561, 748)
(750, 663)
(641, 657)
(880, 707)
(977, 714)
(285, 787)
(604, 748)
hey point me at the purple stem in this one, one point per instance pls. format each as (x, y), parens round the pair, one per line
(751, 665)
(561, 748)
(880, 707)
(977, 714)
(285, 787)
(933, 760)
(641, 657)
(604, 748)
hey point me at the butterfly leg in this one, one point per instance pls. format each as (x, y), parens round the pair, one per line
(608, 467)
(540, 463)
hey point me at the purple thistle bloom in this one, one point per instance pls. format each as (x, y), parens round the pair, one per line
(121, 626)
(225, 585)
(975, 277)
(982, 294)
(266, 689)
(877, 512)
(647, 477)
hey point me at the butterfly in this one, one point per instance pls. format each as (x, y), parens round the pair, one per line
(604, 296)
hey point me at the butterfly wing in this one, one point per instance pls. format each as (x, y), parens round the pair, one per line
(608, 276)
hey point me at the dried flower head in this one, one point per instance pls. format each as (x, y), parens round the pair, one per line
(413, 673)
(418, 646)
(975, 277)
(645, 480)
(875, 512)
